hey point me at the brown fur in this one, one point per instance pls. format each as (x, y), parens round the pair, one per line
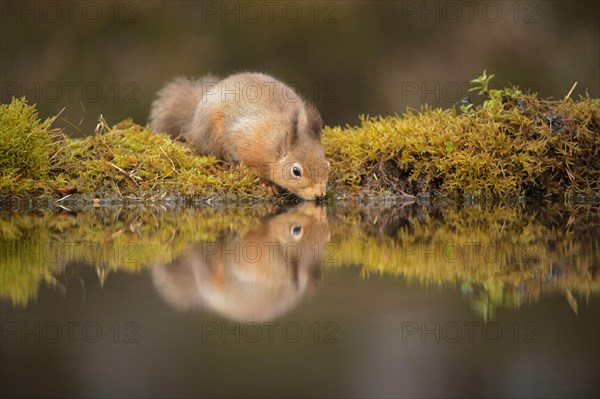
(251, 118)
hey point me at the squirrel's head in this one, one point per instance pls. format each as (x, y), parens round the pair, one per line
(302, 167)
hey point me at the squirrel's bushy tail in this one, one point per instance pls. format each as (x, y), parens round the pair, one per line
(173, 110)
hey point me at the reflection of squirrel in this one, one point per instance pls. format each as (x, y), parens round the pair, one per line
(251, 276)
(251, 118)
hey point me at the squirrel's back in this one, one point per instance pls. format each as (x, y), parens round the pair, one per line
(173, 110)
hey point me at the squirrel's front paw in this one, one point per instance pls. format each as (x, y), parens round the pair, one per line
(271, 187)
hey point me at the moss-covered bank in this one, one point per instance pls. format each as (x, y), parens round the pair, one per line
(510, 148)
(122, 162)
(513, 144)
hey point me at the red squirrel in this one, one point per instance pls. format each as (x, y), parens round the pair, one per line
(250, 118)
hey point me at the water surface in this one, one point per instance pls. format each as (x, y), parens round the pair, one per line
(370, 301)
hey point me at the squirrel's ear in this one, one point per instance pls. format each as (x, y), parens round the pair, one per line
(284, 145)
(291, 135)
(315, 123)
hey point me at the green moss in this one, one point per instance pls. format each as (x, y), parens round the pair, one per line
(27, 146)
(126, 161)
(129, 161)
(513, 144)
(506, 147)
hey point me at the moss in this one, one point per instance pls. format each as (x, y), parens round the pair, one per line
(126, 161)
(27, 146)
(129, 161)
(512, 145)
(527, 146)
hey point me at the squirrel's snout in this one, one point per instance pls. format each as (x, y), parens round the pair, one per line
(317, 194)
(320, 194)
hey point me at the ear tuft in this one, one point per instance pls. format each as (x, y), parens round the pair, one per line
(315, 123)
(293, 134)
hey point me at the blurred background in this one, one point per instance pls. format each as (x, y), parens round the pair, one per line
(349, 58)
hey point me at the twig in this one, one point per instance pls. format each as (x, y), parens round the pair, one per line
(572, 301)
(409, 196)
(63, 198)
(124, 172)
(65, 208)
(172, 163)
(571, 91)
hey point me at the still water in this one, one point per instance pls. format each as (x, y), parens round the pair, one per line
(361, 301)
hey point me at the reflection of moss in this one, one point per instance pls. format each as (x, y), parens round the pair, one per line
(33, 248)
(500, 256)
(23, 267)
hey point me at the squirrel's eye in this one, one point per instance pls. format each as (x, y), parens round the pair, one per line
(296, 171)
(296, 231)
